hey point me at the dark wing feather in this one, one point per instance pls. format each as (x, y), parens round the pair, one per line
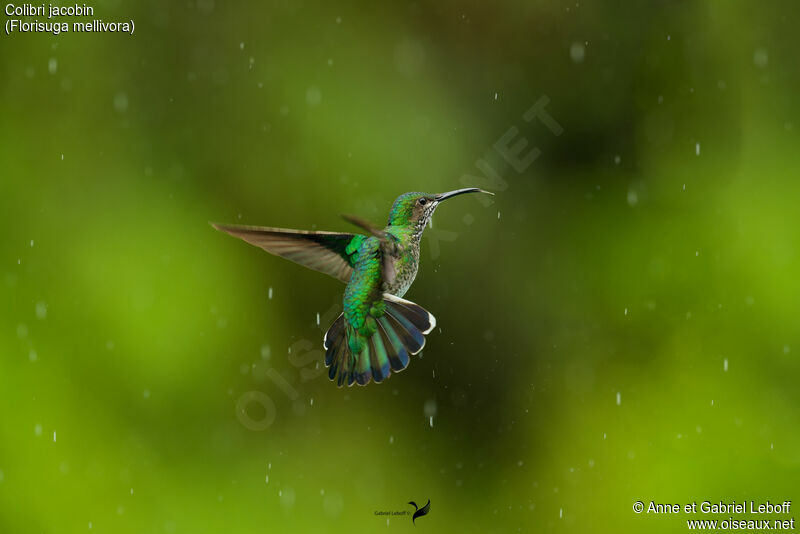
(363, 224)
(325, 252)
(389, 245)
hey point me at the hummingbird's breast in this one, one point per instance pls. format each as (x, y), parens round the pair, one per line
(406, 264)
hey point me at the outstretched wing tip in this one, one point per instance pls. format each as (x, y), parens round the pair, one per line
(226, 228)
(326, 252)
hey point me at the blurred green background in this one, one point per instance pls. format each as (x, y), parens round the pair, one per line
(620, 325)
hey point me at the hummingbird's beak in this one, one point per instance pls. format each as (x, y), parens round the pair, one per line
(451, 194)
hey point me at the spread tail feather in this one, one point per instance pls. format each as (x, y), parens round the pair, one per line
(398, 334)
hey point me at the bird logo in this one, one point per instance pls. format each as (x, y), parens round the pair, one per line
(420, 511)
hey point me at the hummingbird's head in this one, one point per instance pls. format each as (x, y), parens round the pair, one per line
(416, 209)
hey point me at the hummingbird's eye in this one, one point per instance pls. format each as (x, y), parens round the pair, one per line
(422, 201)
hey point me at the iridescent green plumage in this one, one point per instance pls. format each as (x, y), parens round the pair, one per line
(378, 331)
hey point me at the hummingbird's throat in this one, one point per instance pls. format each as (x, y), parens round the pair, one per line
(423, 221)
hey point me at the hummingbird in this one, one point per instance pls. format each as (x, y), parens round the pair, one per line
(378, 331)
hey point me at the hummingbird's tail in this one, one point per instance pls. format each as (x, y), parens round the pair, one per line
(398, 334)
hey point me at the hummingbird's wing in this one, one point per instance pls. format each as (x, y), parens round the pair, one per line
(389, 245)
(326, 252)
(364, 225)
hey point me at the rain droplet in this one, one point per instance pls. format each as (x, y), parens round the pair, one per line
(577, 52)
(270, 293)
(121, 102)
(429, 408)
(725, 364)
(52, 65)
(313, 96)
(288, 498)
(619, 400)
(697, 149)
(760, 58)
